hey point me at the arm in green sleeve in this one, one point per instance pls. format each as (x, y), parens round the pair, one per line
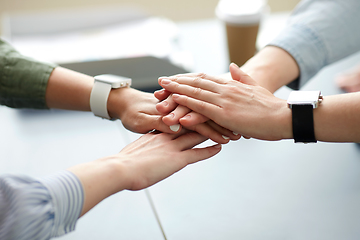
(23, 80)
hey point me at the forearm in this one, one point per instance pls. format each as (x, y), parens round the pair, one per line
(100, 179)
(71, 90)
(272, 68)
(337, 118)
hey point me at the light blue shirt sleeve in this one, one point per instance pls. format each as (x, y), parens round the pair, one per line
(39, 208)
(318, 33)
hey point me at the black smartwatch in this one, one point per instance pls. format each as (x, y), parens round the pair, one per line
(302, 104)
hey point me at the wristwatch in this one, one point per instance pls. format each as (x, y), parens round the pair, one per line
(101, 90)
(302, 104)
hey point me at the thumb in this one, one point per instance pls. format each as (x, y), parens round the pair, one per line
(161, 94)
(158, 124)
(149, 123)
(238, 75)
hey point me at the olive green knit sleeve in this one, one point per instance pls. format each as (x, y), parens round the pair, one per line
(23, 80)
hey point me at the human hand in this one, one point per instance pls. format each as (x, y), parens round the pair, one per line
(191, 120)
(175, 112)
(148, 160)
(240, 105)
(154, 157)
(137, 111)
(349, 81)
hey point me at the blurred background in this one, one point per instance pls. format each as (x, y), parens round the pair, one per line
(172, 9)
(166, 37)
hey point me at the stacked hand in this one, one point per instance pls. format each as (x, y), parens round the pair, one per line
(191, 120)
(139, 113)
(240, 105)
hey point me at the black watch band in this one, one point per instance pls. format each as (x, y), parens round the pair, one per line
(303, 123)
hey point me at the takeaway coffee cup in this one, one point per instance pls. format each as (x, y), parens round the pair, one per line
(242, 20)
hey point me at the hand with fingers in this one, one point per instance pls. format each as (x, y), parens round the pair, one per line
(178, 115)
(349, 81)
(137, 111)
(240, 105)
(163, 154)
(150, 159)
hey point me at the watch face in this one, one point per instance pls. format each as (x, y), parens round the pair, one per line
(304, 98)
(114, 80)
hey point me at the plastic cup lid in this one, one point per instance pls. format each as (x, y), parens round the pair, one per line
(241, 11)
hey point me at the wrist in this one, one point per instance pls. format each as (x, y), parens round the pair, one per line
(260, 73)
(100, 179)
(118, 101)
(272, 68)
(285, 121)
(114, 173)
(67, 89)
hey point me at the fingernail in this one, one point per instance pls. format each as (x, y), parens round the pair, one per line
(171, 115)
(160, 91)
(235, 133)
(165, 81)
(175, 127)
(185, 117)
(234, 64)
(165, 103)
(217, 146)
(225, 137)
(174, 96)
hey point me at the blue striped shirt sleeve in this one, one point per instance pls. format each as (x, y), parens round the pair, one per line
(39, 208)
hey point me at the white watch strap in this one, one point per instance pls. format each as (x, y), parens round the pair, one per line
(98, 99)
